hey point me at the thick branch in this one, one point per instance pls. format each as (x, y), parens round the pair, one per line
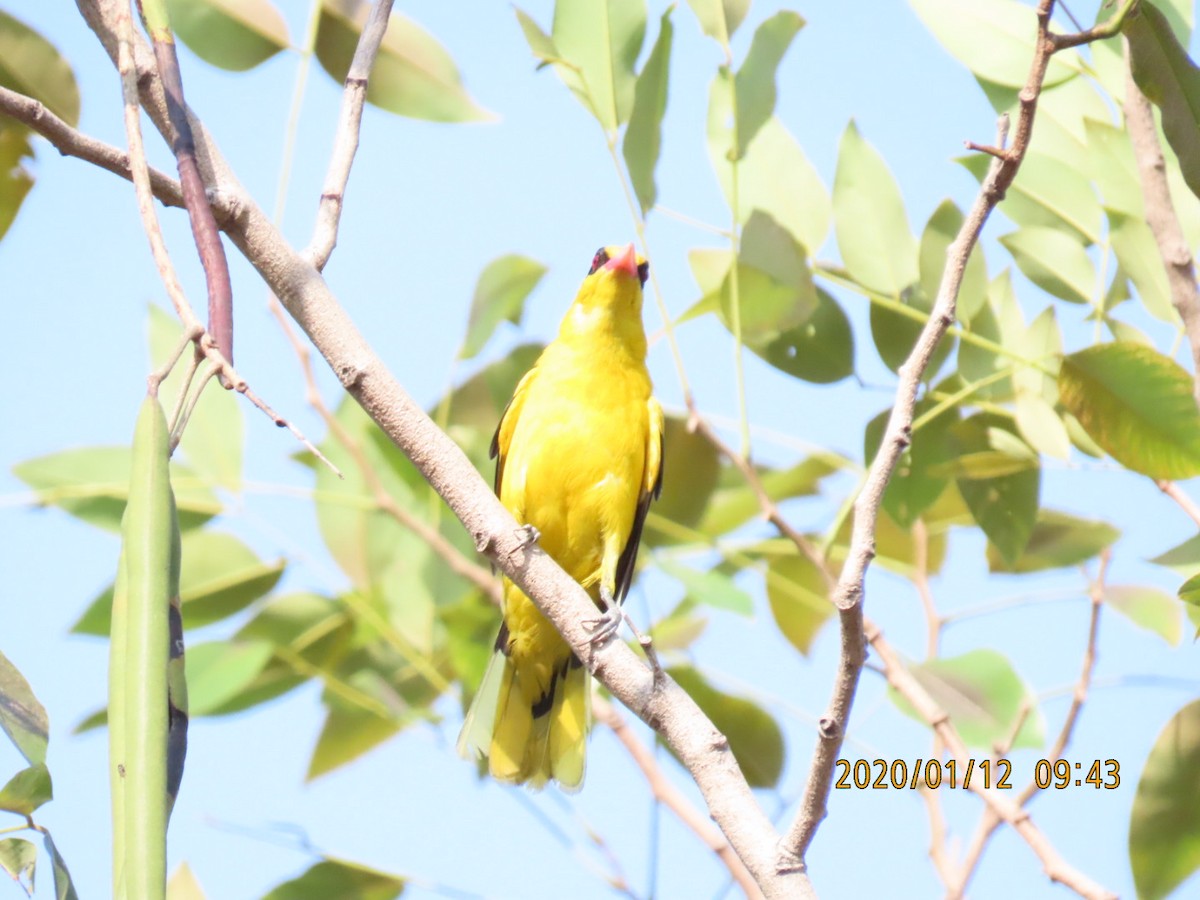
(660, 703)
(1160, 215)
(345, 145)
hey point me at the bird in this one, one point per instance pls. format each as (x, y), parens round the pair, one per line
(579, 457)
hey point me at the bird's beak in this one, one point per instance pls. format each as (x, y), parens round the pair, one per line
(625, 261)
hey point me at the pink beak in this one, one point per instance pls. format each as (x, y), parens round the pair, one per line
(625, 262)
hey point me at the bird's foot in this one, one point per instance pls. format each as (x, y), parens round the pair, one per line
(527, 535)
(605, 625)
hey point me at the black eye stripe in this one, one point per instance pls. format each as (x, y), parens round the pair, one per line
(598, 260)
(643, 273)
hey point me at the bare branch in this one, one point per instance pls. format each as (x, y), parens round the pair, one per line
(70, 142)
(657, 701)
(896, 437)
(672, 797)
(1176, 493)
(1160, 215)
(1056, 868)
(333, 194)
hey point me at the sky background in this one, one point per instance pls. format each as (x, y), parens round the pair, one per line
(428, 207)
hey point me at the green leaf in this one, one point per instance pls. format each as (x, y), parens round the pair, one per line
(231, 34)
(27, 790)
(720, 18)
(348, 733)
(992, 38)
(983, 695)
(218, 670)
(500, 296)
(774, 175)
(1165, 74)
(1041, 426)
(643, 136)
(820, 350)
(1047, 193)
(896, 549)
(92, 483)
(1148, 607)
(876, 243)
(1137, 404)
(413, 74)
(1054, 261)
(30, 65)
(64, 888)
(1040, 345)
(1058, 540)
(940, 231)
(1005, 504)
(679, 629)
(18, 858)
(918, 479)
(22, 717)
(683, 500)
(215, 435)
(799, 599)
(15, 180)
(1189, 591)
(1164, 824)
(600, 41)
(1001, 322)
(712, 588)
(775, 285)
(1111, 165)
(1137, 251)
(755, 739)
(337, 879)
(1183, 558)
(754, 83)
(733, 503)
(220, 576)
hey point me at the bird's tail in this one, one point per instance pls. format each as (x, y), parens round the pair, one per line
(530, 734)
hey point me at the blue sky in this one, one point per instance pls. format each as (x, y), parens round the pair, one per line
(428, 206)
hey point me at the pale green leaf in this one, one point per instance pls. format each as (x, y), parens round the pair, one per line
(1054, 261)
(413, 75)
(754, 83)
(22, 717)
(230, 34)
(992, 38)
(1137, 251)
(1112, 167)
(30, 65)
(1137, 404)
(799, 599)
(601, 40)
(983, 695)
(18, 858)
(643, 136)
(1047, 193)
(1041, 426)
(336, 879)
(1149, 607)
(1164, 824)
(712, 588)
(219, 670)
(873, 235)
(27, 790)
(500, 296)
(940, 231)
(64, 888)
(1058, 540)
(720, 18)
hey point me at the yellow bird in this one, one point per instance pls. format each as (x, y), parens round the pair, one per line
(578, 458)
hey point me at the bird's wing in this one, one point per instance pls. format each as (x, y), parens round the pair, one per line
(651, 488)
(508, 422)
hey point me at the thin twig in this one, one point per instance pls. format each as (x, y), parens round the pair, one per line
(183, 144)
(70, 142)
(1056, 868)
(989, 820)
(1186, 503)
(920, 577)
(671, 797)
(897, 436)
(139, 172)
(354, 96)
(1160, 215)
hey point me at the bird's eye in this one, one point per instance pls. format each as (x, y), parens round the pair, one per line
(598, 260)
(643, 273)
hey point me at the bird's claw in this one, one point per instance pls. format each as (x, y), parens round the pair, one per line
(527, 535)
(605, 625)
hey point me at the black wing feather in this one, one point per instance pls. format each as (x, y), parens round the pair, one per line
(628, 561)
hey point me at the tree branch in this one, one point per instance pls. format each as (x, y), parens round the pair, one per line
(896, 437)
(990, 820)
(345, 145)
(659, 702)
(672, 797)
(1176, 493)
(1160, 215)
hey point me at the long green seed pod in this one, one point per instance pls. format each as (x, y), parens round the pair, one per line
(117, 644)
(148, 532)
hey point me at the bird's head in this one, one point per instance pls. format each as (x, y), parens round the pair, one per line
(614, 284)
